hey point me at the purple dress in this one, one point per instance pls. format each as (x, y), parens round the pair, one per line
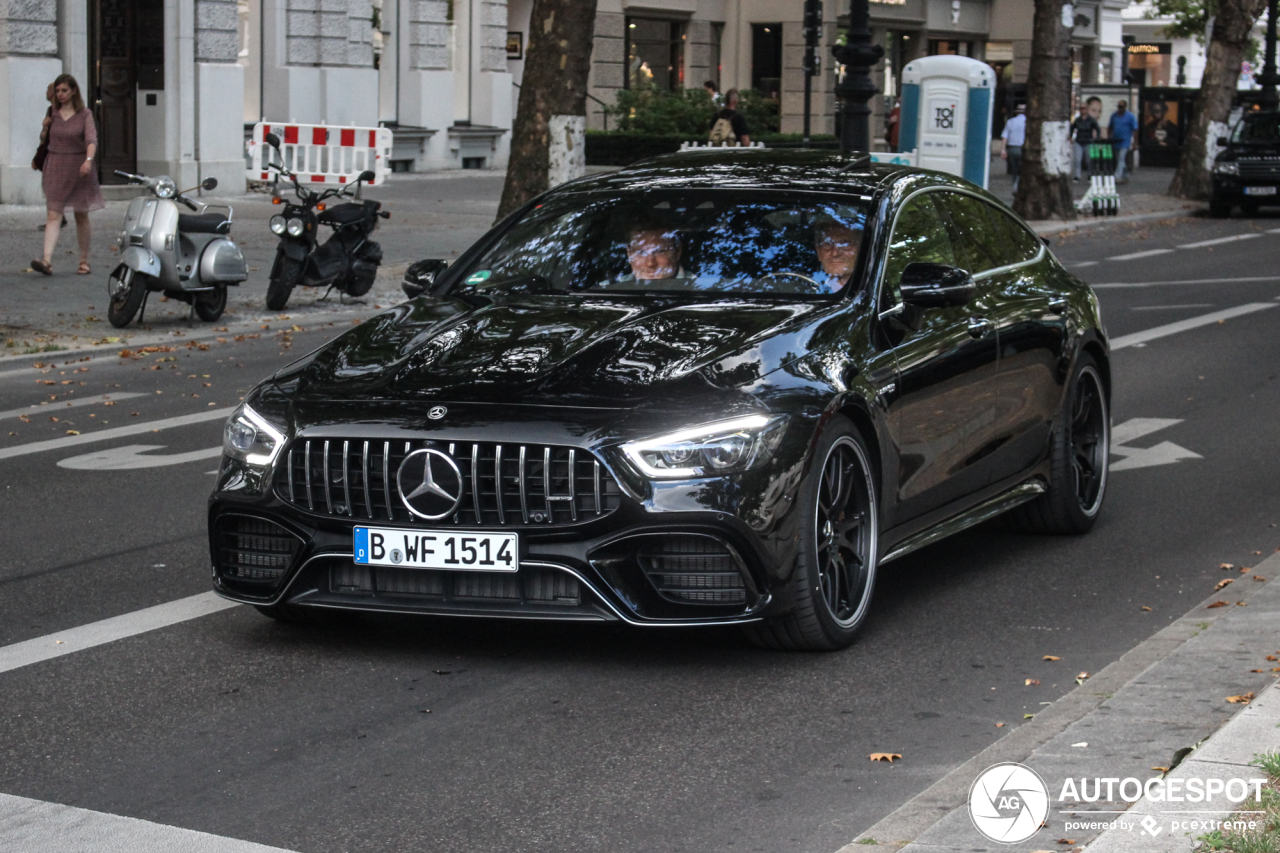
(64, 187)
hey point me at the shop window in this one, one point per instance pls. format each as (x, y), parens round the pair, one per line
(1150, 64)
(655, 54)
(943, 47)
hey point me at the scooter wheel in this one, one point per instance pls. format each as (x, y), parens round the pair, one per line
(210, 304)
(285, 275)
(125, 292)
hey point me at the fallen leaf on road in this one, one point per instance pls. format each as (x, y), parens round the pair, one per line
(1227, 566)
(1051, 657)
(1242, 604)
(1242, 699)
(1148, 609)
(1259, 578)
(1224, 582)
(1032, 682)
(73, 432)
(885, 756)
(1066, 841)
(1161, 769)
(1028, 716)
(999, 725)
(1081, 677)
(1244, 569)
(1257, 552)
(1216, 604)
(1257, 670)
(1272, 657)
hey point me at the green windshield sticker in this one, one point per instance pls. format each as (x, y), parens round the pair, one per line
(477, 277)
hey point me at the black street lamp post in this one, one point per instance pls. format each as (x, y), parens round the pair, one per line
(857, 55)
(1269, 78)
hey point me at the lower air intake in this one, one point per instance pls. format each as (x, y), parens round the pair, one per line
(531, 586)
(694, 570)
(253, 554)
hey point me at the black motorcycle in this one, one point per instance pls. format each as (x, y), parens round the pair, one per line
(347, 261)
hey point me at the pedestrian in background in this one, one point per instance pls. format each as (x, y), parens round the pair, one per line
(714, 91)
(891, 125)
(1121, 127)
(730, 126)
(1084, 131)
(1012, 138)
(70, 180)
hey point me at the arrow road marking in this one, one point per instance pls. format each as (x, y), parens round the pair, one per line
(128, 457)
(1164, 453)
(1190, 323)
(114, 432)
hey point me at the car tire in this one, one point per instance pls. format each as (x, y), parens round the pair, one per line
(1079, 456)
(835, 567)
(284, 275)
(1219, 209)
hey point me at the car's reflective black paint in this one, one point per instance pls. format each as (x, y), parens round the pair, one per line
(956, 406)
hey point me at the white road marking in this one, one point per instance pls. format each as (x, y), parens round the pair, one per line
(128, 457)
(1218, 241)
(1164, 453)
(69, 404)
(1085, 264)
(1190, 323)
(1171, 307)
(109, 630)
(1274, 231)
(114, 432)
(1115, 284)
(1133, 256)
(32, 826)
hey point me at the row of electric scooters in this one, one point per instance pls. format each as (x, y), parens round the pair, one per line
(191, 256)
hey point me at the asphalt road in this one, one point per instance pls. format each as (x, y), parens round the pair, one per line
(388, 734)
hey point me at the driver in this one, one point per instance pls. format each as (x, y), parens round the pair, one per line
(837, 246)
(654, 253)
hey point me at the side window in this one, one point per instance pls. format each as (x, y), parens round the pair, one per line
(918, 237)
(1017, 244)
(978, 245)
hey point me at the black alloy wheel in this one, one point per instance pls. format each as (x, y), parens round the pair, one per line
(1081, 451)
(125, 292)
(835, 568)
(211, 303)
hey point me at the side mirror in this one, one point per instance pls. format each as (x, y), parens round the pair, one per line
(936, 286)
(209, 184)
(272, 140)
(1223, 142)
(421, 276)
(367, 175)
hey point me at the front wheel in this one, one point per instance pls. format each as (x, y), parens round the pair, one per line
(210, 304)
(835, 568)
(284, 275)
(1079, 456)
(125, 292)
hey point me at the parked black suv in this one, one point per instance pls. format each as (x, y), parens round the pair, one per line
(1247, 173)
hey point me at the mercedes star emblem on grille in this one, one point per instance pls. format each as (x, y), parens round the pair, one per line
(430, 484)
(437, 412)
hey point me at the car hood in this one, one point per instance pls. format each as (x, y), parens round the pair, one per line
(559, 350)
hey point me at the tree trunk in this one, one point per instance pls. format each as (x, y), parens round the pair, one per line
(1232, 27)
(557, 63)
(1044, 188)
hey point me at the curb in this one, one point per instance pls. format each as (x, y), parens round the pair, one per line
(1050, 226)
(949, 795)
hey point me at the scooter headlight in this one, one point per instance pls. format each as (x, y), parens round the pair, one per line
(165, 187)
(294, 227)
(277, 224)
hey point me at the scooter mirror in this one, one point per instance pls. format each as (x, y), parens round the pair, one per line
(420, 277)
(367, 175)
(209, 184)
(272, 140)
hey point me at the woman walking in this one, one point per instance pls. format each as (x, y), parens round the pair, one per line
(70, 180)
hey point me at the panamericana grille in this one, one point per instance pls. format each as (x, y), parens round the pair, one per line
(503, 484)
(694, 570)
(1268, 168)
(531, 586)
(253, 551)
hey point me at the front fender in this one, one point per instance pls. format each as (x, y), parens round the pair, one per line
(141, 260)
(294, 249)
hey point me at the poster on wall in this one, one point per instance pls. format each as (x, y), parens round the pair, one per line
(1160, 124)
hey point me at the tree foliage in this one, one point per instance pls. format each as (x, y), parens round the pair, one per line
(1190, 17)
(686, 112)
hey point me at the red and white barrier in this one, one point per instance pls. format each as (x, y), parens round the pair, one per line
(320, 154)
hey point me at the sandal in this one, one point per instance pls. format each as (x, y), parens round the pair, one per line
(84, 268)
(40, 266)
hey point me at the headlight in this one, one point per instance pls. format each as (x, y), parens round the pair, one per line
(251, 439)
(165, 187)
(710, 450)
(277, 224)
(1227, 167)
(294, 227)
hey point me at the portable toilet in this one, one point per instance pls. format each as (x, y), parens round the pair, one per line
(947, 103)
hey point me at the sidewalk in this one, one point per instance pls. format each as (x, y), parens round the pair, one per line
(1164, 704)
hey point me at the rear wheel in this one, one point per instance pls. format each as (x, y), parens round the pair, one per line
(125, 291)
(211, 303)
(284, 275)
(835, 569)
(1081, 450)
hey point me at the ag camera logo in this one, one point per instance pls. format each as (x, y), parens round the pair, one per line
(1008, 802)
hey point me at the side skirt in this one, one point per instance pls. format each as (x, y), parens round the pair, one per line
(989, 508)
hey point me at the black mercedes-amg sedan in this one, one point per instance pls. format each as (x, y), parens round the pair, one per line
(718, 387)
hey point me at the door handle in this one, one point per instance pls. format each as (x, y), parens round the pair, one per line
(1058, 304)
(979, 327)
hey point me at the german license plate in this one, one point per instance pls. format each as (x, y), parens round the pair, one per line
(450, 550)
(1259, 190)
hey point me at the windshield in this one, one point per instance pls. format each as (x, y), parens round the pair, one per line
(710, 242)
(1258, 128)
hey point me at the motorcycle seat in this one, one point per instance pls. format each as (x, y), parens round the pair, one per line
(204, 223)
(343, 214)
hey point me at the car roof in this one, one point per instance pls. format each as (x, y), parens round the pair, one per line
(752, 168)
